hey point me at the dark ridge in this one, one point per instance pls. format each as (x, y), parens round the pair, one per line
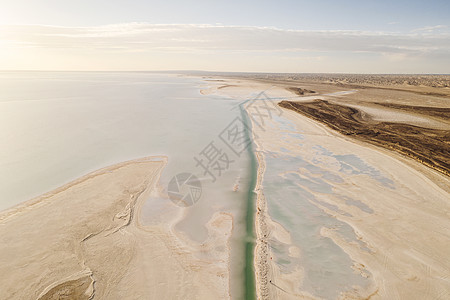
(429, 146)
(300, 91)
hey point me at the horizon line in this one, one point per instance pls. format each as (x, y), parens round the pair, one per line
(212, 72)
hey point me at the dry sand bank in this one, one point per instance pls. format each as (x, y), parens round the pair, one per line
(407, 233)
(412, 101)
(84, 241)
(421, 85)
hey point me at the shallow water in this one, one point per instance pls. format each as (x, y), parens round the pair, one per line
(57, 126)
(291, 203)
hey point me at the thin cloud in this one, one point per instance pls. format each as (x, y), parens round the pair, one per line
(209, 37)
(430, 29)
(220, 40)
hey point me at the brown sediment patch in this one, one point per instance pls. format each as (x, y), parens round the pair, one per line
(429, 146)
(300, 91)
(226, 86)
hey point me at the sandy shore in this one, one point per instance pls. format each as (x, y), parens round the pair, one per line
(402, 238)
(85, 241)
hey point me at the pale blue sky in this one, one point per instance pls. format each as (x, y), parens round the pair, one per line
(322, 36)
(307, 15)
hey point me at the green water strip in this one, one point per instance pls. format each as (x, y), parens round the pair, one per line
(250, 284)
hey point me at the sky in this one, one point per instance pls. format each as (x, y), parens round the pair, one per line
(237, 36)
